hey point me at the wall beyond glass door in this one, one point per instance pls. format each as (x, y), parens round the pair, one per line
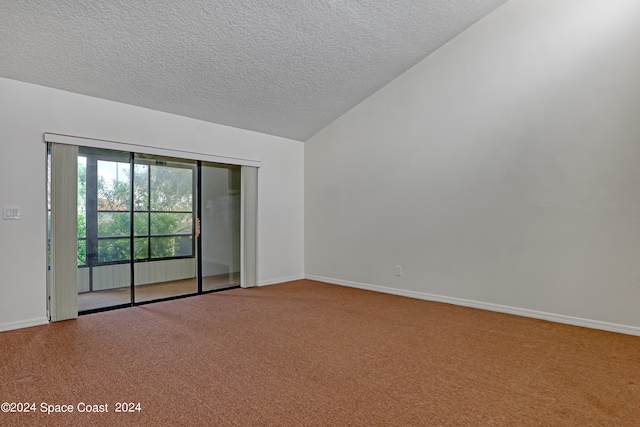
(220, 226)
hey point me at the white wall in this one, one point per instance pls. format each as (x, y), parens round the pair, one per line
(27, 111)
(502, 172)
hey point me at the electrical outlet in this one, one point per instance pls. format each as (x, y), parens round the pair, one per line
(11, 212)
(398, 270)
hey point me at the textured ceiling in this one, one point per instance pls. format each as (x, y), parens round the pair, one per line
(282, 67)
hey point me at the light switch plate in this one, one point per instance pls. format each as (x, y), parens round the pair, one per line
(11, 212)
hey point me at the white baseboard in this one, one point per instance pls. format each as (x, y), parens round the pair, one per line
(23, 324)
(559, 318)
(280, 280)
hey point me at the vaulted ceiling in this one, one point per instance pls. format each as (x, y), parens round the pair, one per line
(281, 67)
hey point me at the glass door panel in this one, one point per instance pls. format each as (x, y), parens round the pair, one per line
(104, 205)
(220, 226)
(164, 227)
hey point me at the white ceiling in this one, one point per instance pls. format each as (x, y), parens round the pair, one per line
(282, 67)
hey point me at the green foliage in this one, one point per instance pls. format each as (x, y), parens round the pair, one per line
(171, 189)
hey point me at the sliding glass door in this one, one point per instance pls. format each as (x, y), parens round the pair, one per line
(128, 228)
(148, 224)
(164, 218)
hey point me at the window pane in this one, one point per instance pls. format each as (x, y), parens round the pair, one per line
(141, 224)
(141, 188)
(171, 223)
(82, 252)
(171, 189)
(82, 225)
(141, 248)
(114, 224)
(164, 247)
(183, 246)
(110, 250)
(113, 185)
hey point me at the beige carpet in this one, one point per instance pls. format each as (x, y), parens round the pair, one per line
(311, 354)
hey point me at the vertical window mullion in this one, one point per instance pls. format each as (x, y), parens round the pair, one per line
(131, 226)
(196, 215)
(149, 212)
